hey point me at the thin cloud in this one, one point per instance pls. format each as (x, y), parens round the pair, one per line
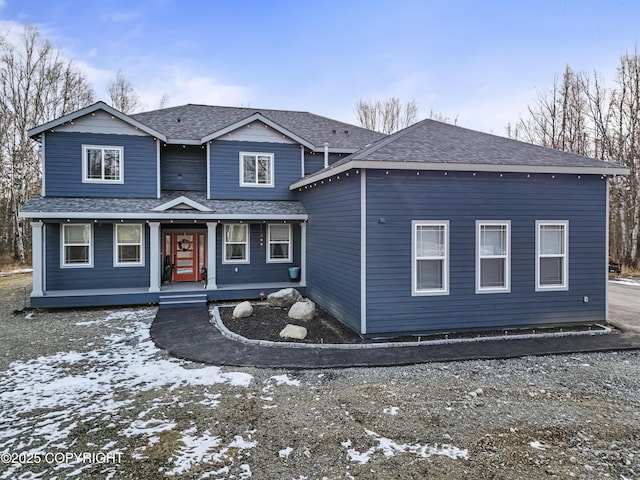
(118, 16)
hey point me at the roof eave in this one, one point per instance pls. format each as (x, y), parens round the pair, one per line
(211, 216)
(451, 167)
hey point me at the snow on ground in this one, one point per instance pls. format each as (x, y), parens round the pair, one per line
(626, 281)
(46, 402)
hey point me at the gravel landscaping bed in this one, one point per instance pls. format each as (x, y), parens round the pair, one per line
(85, 394)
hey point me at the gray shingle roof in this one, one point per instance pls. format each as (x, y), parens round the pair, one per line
(194, 122)
(58, 207)
(430, 141)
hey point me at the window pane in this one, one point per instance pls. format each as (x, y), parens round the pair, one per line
(264, 173)
(493, 240)
(492, 273)
(429, 275)
(551, 271)
(279, 233)
(77, 234)
(76, 254)
(430, 241)
(235, 233)
(551, 239)
(94, 163)
(279, 251)
(111, 164)
(129, 233)
(129, 253)
(235, 252)
(249, 168)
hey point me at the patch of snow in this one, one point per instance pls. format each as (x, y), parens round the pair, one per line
(626, 281)
(390, 448)
(538, 445)
(285, 380)
(391, 410)
(285, 452)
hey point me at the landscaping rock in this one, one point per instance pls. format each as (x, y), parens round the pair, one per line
(294, 331)
(244, 309)
(284, 298)
(304, 310)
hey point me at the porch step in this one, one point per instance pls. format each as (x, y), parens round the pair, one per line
(182, 300)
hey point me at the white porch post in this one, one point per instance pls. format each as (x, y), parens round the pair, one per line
(154, 267)
(37, 246)
(211, 255)
(303, 254)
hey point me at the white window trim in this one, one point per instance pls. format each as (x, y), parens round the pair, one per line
(507, 257)
(256, 184)
(85, 177)
(269, 242)
(224, 244)
(116, 262)
(565, 262)
(445, 268)
(63, 263)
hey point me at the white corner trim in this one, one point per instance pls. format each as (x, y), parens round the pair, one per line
(363, 252)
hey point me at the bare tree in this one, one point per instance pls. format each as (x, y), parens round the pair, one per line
(123, 96)
(386, 116)
(36, 85)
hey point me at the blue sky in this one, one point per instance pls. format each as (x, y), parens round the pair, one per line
(480, 61)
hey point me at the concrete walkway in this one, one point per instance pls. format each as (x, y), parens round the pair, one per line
(188, 333)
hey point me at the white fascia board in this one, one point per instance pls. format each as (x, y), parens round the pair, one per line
(182, 141)
(455, 167)
(87, 111)
(161, 216)
(178, 201)
(261, 118)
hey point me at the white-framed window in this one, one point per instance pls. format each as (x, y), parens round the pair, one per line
(552, 255)
(279, 243)
(102, 164)
(256, 169)
(236, 243)
(76, 245)
(128, 243)
(430, 252)
(493, 256)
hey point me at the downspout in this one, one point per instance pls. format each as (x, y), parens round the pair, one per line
(326, 154)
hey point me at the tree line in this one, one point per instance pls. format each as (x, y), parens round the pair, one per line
(579, 113)
(37, 85)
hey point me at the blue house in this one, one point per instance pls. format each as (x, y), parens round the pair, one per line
(435, 228)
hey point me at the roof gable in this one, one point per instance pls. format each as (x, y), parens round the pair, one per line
(181, 203)
(115, 114)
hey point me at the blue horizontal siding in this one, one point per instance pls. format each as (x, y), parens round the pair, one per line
(103, 275)
(462, 198)
(225, 170)
(183, 168)
(333, 247)
(258, 270)
(314, 161)
(63, 166)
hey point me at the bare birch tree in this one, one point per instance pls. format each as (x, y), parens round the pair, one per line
(386, 116)
(36, 85)
(122, 95)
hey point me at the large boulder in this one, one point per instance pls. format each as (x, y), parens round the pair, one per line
(303, 310)
(294, 331)
(244, 309)
(284, 298)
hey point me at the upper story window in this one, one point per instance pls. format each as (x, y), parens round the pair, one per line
(128, 245)
(493, 257)
(77, 245)
(552, 255)
(279, 244)
(101, 164)
(236, 243)
(256, 169)
(430, 245)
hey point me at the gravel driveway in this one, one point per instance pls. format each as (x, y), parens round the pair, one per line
(85, 394)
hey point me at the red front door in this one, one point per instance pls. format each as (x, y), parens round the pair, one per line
(184, 260)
